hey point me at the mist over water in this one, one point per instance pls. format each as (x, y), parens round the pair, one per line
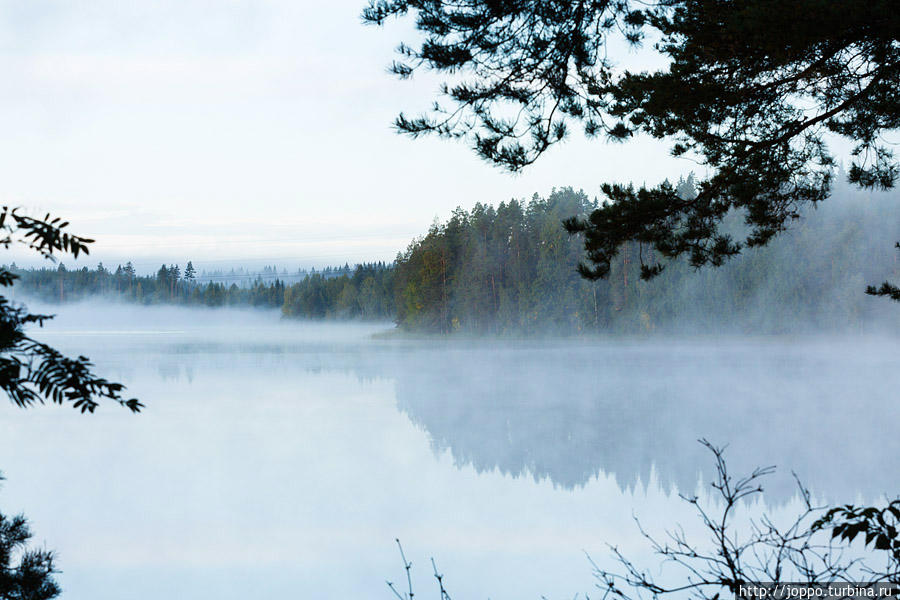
(282, 458)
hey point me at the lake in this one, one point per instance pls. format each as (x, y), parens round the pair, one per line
(282, 459)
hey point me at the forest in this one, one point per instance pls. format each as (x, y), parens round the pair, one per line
(512, 269)
(345, 292)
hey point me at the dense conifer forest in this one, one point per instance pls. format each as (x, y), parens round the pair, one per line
(512, 269)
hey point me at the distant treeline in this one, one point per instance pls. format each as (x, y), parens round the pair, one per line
(365, 291)
(168, 286)
(332, 292)
(512, 269)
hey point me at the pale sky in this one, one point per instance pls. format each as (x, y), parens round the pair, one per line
(244, 132)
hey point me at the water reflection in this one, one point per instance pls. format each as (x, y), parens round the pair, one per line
(282, 459)
(570, 411)
(823, 408)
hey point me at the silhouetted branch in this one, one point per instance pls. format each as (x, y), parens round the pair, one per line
(753, 552)
(887, 289)
(407, 567)
(760, 551)
(30, 371)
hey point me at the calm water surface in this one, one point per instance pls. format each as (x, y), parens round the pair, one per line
(281, 459)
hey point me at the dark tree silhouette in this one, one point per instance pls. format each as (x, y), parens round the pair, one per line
(752, 88)
(409, 594)
(25, 573)
(887, 288)
(31, 371)
(811, 548)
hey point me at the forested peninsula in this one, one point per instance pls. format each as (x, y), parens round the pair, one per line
(512, 269)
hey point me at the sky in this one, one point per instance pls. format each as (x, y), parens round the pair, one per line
(244, 133)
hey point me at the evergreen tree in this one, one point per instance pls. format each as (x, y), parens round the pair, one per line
(885, 289)
(750, 87)
(512, 268)
(174, 277)
(26, 573)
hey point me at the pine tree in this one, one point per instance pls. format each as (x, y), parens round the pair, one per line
(25, 573)
(753, 89)
(174, 277)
